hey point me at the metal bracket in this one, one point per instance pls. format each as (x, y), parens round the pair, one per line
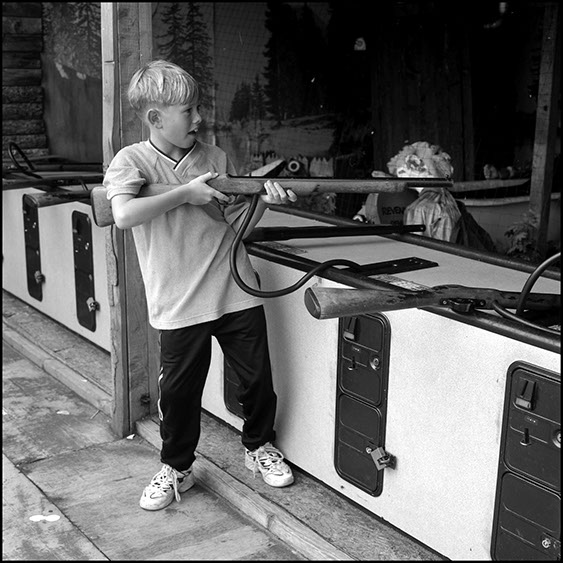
(463, 304)
(381, 458)
(393, 266)
(92, 304)
(39, 277)
(460, 305)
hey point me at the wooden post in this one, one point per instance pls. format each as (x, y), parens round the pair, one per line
(546, 124)
(126, 45)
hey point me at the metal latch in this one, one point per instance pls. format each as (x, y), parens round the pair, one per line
(551, 545)
(39, 277)
(381, 458)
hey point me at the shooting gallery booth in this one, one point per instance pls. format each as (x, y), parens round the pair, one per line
(405, 381)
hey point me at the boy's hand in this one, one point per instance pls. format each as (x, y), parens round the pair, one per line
(277, 195)
(198, 192)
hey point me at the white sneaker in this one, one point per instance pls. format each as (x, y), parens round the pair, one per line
(269, 461)
(166, 485)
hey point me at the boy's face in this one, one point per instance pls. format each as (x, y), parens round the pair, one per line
(177, 127)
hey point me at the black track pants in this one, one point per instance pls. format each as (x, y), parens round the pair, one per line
(185, 359)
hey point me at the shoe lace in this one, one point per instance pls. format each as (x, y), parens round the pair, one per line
(269, 457)
(166, 479)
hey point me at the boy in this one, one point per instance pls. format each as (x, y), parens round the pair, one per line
(183, 237)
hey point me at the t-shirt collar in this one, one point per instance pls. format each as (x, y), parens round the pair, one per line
(175, 163)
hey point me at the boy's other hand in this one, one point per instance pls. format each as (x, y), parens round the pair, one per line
(198, 192)
(276, 195)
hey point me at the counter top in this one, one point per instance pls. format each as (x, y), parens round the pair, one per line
(451, 269)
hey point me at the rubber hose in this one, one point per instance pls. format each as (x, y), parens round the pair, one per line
(279, 292)
(532, 280)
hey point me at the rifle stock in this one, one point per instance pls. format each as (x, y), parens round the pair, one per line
(329, 303)
(250, 185)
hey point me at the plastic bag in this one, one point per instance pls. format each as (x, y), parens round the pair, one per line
(437, 209)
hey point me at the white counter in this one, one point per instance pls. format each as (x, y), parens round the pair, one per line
(446, 392)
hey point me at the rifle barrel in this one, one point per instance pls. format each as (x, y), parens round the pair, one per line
(250, 185)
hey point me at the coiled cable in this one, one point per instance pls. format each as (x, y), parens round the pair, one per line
(278, 292)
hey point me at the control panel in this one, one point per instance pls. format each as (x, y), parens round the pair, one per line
(361, 401)
(527, 519)
(86, 304)
(35, 277)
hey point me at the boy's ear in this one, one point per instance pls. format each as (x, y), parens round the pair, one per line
(153, 117)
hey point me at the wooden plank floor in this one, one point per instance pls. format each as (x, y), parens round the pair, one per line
(93, 363)
(61, 458)
(27, 540)
(311, 518)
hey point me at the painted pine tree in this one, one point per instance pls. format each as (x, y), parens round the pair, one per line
(72, 35)
(186, 42)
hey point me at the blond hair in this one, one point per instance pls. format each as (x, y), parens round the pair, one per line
(163, 83)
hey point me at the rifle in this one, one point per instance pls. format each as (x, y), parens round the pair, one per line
(329, 303)
(250, 185)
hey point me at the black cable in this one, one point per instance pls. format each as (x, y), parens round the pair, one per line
(532, 280)
(524, 295)
(279, 292)
(508, 315)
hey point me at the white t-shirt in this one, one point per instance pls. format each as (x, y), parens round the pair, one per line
(184, 253)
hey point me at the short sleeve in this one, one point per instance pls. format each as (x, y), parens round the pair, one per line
(123, 176)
